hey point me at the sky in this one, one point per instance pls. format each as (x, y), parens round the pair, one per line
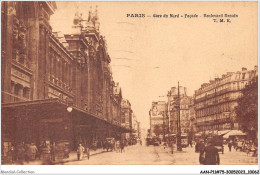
(150, 55)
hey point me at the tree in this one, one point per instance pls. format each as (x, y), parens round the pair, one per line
(247, 109)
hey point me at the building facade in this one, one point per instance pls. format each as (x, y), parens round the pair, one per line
(215, 101)
(158, 118)
(126, 117)
(186, 110)
(44, 73)
(136, 129)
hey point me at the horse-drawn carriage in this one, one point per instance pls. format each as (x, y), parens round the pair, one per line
(110, 144)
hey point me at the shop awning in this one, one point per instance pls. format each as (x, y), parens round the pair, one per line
(223, 132)
(51, 106)
(234, 133)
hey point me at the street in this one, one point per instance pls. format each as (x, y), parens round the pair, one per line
(157, 155)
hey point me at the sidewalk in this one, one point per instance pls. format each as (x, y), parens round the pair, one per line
(72, 157)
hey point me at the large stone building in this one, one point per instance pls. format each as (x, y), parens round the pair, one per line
(215, 101)
(158, 118)
(186, 110)
(55, 88)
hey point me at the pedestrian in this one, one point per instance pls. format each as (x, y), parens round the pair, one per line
(122, 146)
(201, 149)
(117, 146)
(104, 144)
(53, 151)
(86, 151)
(126, 142)
(33, 151)
(47, 152)
(164, 145)
(39, 152)
(235, 142)
(249, 148)
(20, 154)
(95, 145)
(254, 149)
(27, 152)
(12, 154)
(211, 154)
(113, 144)
(197, 147)
(173, 146)
(190, 143)
(230, 145)
(80, 151)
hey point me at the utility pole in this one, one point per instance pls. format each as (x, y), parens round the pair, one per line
(163, 126)
(215, 108)
(179, 147)
(150, 133)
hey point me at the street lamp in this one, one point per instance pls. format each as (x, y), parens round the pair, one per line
(179, 147)
(70, 109)
(150, 133)
(163, 127)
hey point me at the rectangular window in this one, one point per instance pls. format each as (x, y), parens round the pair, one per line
(238, 76)
(243, 75)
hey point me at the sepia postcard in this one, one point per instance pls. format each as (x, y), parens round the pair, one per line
(129, 83)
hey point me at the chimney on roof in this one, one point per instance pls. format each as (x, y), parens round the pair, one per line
(256, 67)
(244, 68)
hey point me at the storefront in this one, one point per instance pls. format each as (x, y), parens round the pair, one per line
(36, 122)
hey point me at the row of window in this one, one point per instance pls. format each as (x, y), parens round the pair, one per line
(60, 70)
(213, 117)
(225, 107)
(232, 86)
(219, 99)
(215, 127)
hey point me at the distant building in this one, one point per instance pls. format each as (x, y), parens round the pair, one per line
(116, 104)
(135, 127)
(186, 110)
(215, 101)
(139, 130)
(192, 116)
(158, 118)
(126, 116)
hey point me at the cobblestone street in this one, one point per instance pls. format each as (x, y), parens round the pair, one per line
(157, 155)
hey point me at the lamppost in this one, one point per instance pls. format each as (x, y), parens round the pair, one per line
(168, 127)
(150, 133)
(179, 147)
(69, 109)
(163, 126)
